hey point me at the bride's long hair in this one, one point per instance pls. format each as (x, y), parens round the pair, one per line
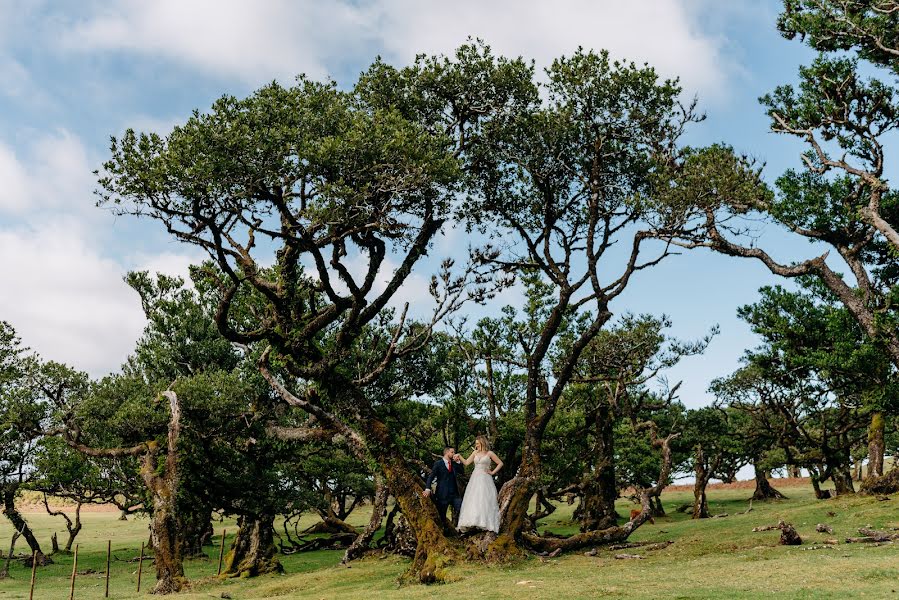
(481, 444)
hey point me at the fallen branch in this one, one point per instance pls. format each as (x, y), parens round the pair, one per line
(645, 545)
(880, 536)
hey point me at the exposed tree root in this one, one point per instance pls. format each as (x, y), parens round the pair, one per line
(884, 484)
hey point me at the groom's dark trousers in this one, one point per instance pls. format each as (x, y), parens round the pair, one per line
(447, 486)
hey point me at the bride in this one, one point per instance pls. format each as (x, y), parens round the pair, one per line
(479, 506)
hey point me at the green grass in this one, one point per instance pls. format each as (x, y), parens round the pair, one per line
(714, 558)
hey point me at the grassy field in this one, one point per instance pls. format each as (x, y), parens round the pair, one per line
(715, 558)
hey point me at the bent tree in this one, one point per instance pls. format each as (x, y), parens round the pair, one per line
(23, 415)
(563, 187)
(841, 197)
(343, 192)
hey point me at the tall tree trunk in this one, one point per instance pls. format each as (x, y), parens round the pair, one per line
(597, 510)
(842, 479)
(20, 524)
(703, 474)
(515, 498)
(876, 445)
(433, 551)
(763, 489)
(165, 527)
(253, 550)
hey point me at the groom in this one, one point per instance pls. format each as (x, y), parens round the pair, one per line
(445, 471)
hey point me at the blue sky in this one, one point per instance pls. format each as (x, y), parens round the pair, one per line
(74, 73)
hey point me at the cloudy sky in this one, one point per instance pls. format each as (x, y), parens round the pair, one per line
(74, 73)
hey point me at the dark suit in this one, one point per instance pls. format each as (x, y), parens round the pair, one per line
(447, 486)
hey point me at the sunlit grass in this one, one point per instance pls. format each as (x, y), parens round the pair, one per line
(714, 558)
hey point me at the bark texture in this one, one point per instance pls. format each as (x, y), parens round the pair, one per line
(763, 488)
(253, 550)
(876, 445)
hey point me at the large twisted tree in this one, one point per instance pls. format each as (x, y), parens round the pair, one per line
(344, 191)
(565, 188)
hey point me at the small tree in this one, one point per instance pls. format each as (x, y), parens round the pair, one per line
(23, 416)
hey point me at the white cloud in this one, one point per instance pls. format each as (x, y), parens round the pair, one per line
(62, 286)
(67, 301)
(265, 39)
(661, 32)
(14, 191)
(254, 41)
(50, 173)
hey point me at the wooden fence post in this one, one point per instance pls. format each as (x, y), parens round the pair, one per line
(222, 551)
(140, 565)
(74, 571)
(33, 573)
(108, 553)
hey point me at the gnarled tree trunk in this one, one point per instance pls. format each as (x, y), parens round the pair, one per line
(841, 475)
(885, 484)
(597, 510)
(253, 550)
(876, 445)
(434, 552)
(763, 489)
(165, 528)
(616, 533)
(703, 475)
(21, 525)
(196, 528)
(73, 527)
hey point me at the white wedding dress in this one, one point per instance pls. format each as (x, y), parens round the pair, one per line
(480, 509)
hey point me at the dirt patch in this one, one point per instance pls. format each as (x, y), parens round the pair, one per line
(749, 484)
(32, 502)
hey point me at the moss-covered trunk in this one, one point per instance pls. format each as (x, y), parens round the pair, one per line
(165, 529)
(876, 445)
(515, 498)
(433, 550)
(253, 550)
(885, 484)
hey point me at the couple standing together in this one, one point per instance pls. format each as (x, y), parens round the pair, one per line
(479, 508)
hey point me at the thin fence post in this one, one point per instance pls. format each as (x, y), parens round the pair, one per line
(33, 573)
(74, 571)
(222, 551)
(140, 565)
(108, 553)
